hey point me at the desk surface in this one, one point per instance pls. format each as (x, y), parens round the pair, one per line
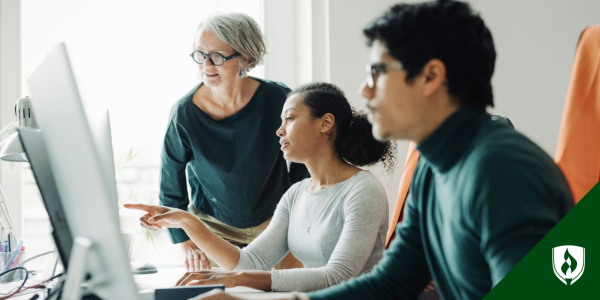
(167, 277)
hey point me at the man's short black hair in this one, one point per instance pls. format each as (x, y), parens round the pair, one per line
(446, 30)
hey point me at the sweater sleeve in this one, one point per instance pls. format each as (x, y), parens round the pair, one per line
(402, 273)
(270, 246)
(175, 155)
(511, 221)
(365, 212)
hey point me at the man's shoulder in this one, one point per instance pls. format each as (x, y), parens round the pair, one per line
(506, 162)
(500, 147)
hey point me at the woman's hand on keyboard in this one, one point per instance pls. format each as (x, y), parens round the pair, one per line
(226, 278)
(195, 259)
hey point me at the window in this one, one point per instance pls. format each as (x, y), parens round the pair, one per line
(131, 57)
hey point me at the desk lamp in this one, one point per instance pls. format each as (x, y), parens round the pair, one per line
(12, 150)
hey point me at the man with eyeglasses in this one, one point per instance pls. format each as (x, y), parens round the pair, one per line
(482, 195)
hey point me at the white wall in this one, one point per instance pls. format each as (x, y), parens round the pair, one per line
(535, 41)
(298, 36)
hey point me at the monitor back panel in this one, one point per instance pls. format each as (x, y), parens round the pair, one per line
(76, 165)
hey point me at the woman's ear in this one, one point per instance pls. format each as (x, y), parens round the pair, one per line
(242, 62)
(327, 122)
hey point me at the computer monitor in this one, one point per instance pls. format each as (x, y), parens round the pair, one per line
(99, 120)
(33, 144)
(83, 187)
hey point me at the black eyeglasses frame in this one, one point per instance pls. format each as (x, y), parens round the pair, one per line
(209, 55)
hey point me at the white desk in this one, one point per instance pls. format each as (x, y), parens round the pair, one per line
(167, 277)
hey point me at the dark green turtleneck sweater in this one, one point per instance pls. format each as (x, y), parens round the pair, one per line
(482, 196)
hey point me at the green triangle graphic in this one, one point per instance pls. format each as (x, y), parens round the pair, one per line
(534, 278)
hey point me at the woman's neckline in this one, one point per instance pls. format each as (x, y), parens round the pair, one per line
(246, 107)
(333, 185)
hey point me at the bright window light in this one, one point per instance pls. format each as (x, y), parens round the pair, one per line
(131, 57)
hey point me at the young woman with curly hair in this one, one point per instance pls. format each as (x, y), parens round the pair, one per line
(335, 222)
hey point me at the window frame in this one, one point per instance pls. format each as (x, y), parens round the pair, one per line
(10, 91)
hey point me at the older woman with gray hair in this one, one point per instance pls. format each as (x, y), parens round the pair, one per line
(222, 134)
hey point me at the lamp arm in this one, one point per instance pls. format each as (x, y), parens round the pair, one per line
(2, 230)
(4, 209)
(1, 227)
(11, 126)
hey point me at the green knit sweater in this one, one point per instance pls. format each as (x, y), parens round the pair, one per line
(482, 196)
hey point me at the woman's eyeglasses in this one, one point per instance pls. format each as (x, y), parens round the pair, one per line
(215, 58)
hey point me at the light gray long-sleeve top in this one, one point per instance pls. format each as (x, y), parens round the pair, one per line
(348, 221)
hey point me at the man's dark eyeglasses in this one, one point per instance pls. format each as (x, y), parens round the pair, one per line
(374, 70)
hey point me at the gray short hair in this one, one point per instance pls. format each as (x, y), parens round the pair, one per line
(241, 32)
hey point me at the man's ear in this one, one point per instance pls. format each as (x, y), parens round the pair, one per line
(327, 122)
(434, 74)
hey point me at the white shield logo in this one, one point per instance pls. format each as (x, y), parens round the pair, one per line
(568, 263)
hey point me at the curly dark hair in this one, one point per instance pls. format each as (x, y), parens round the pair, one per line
(353, 136)
(446, 30)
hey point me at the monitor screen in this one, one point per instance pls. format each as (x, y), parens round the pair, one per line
(33, 145)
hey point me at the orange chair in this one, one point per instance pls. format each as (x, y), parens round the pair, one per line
(578, 150)
(409, 168)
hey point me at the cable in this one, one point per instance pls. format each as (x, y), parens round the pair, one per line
(10, 294)
(54, 269)
(56, 292)
(35, 286)
(32, 258)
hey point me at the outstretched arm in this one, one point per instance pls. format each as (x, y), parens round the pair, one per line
(219, 250)
(260, 256)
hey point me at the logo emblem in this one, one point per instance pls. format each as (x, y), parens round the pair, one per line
(568, 263)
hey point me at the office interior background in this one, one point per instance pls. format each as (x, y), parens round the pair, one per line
(132, 57)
